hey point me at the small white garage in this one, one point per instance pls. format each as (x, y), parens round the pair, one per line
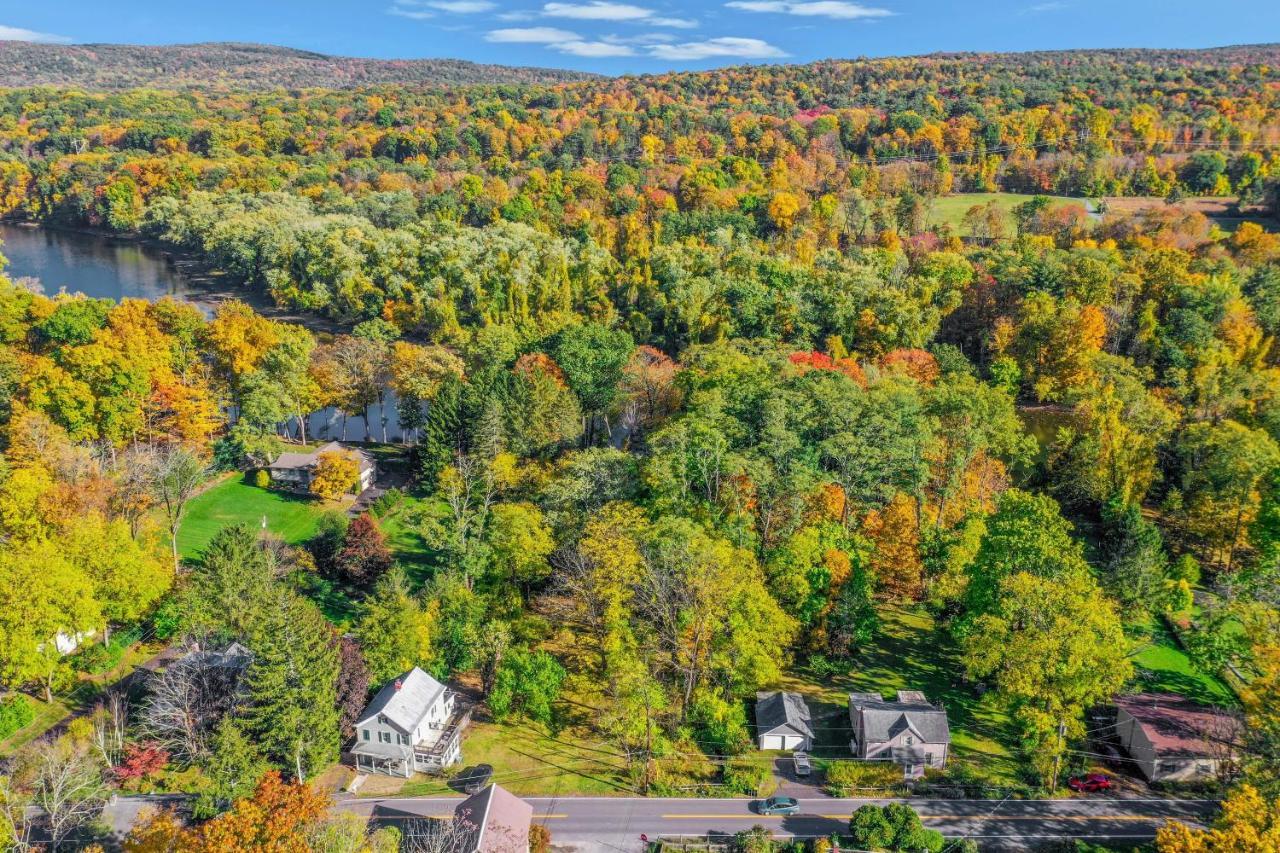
(782, 721)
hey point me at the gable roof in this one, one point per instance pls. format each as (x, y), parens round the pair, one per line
(497, 821)
(883, 720)
(404, 706)
(1177, 726)
(290, 460)
(776, 709)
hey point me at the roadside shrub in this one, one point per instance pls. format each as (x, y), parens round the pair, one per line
(539, 839)
(15, 713)
(719, 725)
(842, 777)
(262, 479)
(742, 778)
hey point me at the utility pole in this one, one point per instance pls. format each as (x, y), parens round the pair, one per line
(1057, 757)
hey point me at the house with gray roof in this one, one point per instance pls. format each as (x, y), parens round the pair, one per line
(910, 730)
(413, 724)
(493, 821)
(782, 721)
(295, 471)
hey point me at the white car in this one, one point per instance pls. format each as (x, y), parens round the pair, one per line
(801, 760)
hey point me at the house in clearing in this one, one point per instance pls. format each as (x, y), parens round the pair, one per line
(295, 471)
(414, 724)
(782, 721)
(1172, 739)
(493, 821)
(910, 730)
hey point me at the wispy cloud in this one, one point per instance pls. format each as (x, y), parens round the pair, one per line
(559, 40)
(20, 34)
(725, 46)
(411, 13)
(463, 7)
(1051, 6)
(600, 10)
(836, 9)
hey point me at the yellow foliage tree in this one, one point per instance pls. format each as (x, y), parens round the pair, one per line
(336, 473)
(1248, 822)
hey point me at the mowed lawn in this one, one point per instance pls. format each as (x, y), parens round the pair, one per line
(912, 653)
(233, 501)
(528, 760)
(1163, 667)
(950, 209)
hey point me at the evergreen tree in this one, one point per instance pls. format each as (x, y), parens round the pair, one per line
(292, 685)
(440, 431)
(232, 769)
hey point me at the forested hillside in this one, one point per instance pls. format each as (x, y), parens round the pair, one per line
(706, 392)
(238, 66)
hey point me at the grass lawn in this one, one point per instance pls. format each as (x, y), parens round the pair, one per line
(401, 527)
(528, 760)
(912, 653)
(47, 715)
(233, 501)
(950, 209)
(1162, 666)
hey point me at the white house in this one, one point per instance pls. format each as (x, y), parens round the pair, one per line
(413, 724)
(782, 721)
(910, 730)
(295, 471)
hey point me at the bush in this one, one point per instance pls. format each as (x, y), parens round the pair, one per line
(539, 839)
(845, 776)
(742, 778)
(15, 713)
(387, 502)
(98, 658)
(262, 479)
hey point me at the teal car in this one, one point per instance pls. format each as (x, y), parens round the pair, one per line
(778, 805)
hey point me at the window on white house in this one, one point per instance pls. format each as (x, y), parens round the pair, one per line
(365, 733)
(384, 737)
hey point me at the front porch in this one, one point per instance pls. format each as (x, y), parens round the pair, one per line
(441, 748)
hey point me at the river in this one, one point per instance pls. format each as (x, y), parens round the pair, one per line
(114, 268)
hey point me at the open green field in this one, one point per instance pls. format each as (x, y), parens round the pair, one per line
(233, 501)
(913, 653)
(1163, 667)
(950, 209)
(528, 760)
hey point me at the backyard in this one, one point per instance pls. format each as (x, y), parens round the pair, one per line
(234, 501)
(913, 653)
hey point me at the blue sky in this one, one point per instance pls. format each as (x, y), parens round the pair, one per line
(625, 36)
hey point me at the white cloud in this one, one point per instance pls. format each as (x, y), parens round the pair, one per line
(601, 10)
(679, 23)
(597, 10)
(594, 49)
(516, 16)
(413, 14)
(1051, 6)
(837, 9)
(463, 7)
(732, 46)
(20, 34)
(532, 35)
(562, 41)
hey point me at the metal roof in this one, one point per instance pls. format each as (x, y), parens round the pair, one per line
(404, 701)
(883, 720)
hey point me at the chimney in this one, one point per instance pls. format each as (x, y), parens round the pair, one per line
(398, 685)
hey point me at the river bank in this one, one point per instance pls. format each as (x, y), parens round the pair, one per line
(106, 264)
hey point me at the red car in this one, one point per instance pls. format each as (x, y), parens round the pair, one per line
(1089, 784)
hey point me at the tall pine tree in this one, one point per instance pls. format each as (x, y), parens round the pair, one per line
(292, 684)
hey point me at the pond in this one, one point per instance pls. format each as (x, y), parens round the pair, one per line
(92, 264)
(113, 268)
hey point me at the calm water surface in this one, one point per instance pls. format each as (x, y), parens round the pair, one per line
(104, 267)
(89, 263)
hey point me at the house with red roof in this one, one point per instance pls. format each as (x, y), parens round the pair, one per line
(1173, 739)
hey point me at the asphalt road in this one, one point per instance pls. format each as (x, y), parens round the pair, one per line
(615, 823)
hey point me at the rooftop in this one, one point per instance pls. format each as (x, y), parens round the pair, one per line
(404, 701)
(884, 720)
(775, 709)
(1177, 726)
(289, 460)
(497, 819)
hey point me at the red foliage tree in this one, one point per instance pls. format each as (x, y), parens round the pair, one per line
(142, 760)
(353, 684)
(364, 555)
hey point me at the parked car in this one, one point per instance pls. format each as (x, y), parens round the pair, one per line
(801, 760)
(1089, 784)
(475, 778)
(777, 805)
